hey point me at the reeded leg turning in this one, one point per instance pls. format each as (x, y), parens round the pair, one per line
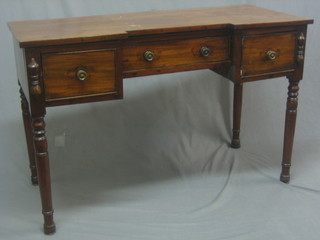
(237, 105)
(290, 123)
(29, 137)
(43, 168)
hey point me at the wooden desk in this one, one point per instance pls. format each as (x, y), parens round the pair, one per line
(76, 60)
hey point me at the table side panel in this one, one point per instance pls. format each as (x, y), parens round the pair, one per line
(21, 67)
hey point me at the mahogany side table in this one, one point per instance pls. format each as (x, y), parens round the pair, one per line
(84, 59)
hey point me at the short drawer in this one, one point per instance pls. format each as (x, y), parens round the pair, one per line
(166, 54)
(78, 74)
(268, 54)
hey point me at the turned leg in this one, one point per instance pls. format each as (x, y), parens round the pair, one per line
(29, 138)
(237, 104)
(43, 168)
(290, 123)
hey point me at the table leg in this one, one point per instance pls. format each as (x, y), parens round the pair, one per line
(43, 168)
(290, 123)
(29, 137)
(237, 105)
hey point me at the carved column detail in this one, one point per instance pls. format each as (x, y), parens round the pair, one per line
(290, 123)
(33, 72)
(42, 158)
(292, 100)
(301, 44)
(28, 132)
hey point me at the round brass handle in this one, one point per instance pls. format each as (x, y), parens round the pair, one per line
(82, 75)
(205, 51)
(272, 55)
(148, 56)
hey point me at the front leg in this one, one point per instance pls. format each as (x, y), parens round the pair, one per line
(40, 143)
(290, 123)
(43, 168)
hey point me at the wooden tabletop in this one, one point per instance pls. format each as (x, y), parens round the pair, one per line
(34, 33)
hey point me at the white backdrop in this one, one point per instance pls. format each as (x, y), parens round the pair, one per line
(157, 164)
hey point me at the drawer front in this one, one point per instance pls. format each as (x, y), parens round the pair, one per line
(266, 54)
(80, 73)
(172, 53)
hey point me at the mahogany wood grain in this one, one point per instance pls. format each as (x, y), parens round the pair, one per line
(107, 27)
(174, 53)
(254, 53)
(60, 73)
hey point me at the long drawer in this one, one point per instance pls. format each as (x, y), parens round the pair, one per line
(173, 53)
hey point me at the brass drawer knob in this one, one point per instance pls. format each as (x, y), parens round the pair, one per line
(205, 51)
(148, 56)
(272, 55)
(82, 75)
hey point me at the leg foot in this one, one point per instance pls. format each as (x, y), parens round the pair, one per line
(49, 229)
(285, 178)
(34, 180)
(235, 143)
(49, 226)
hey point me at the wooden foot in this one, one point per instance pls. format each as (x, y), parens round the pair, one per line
(48, 228)
(235, 143)
(29, 138)
(285, 178)
(43, 168)
(290, 123)
(237, 105)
